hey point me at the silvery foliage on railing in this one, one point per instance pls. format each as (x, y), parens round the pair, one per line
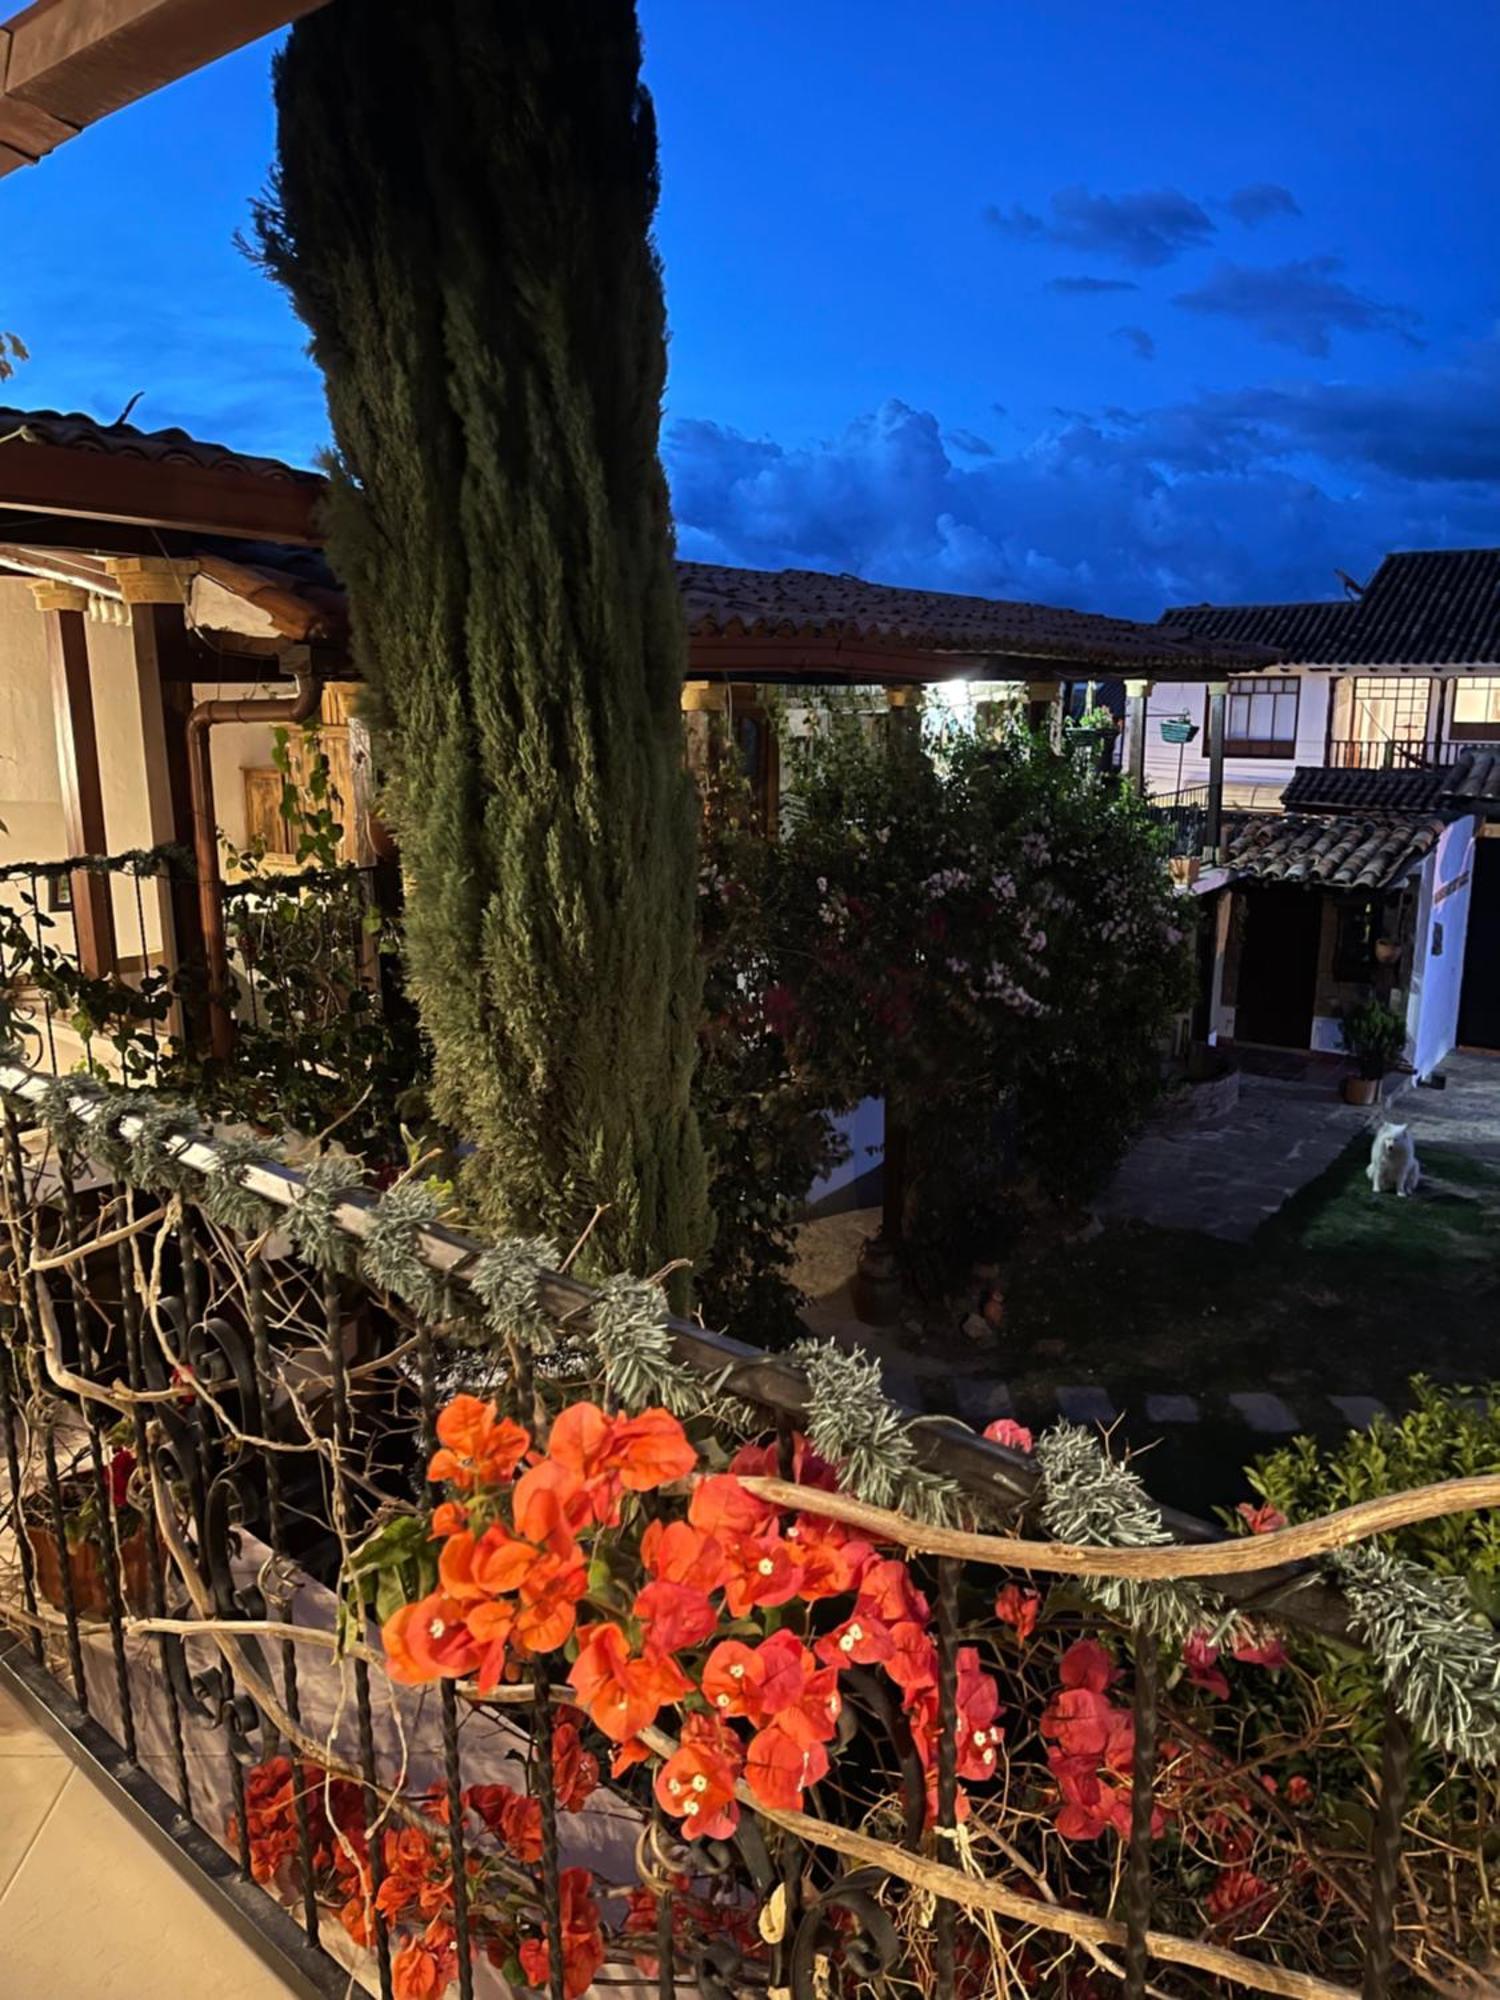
(1093, 1500)
(312, 1223)
(855, 1425)
(393, 1256)
(1438, 1657)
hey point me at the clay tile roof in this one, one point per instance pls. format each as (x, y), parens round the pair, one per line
(1343, 851)
(1474, 779)
(1327, 790)
(1422, 608)
(76, 432)
(723, 601)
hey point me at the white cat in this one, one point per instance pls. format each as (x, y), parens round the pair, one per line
(1393, 1167)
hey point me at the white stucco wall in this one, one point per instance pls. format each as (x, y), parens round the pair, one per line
(1442, 930)
(1247, 780)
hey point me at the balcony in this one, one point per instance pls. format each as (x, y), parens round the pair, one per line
(1384, 754)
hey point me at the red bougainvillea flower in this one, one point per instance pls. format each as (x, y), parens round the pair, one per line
(1258, 1646)
(863, 1640)
(677, 1552)
(428, 1641)
(783, 1759)
(1200, 1655)
(673, 1615)
(121, 1465)
(733, 1676)
(1262, 1519)
(514, 1818)
(1238, 1896)
(1004, 1430)
(1298, 1790)
(621, 1695)
(582, 1939)
(722, 1507)
(978, 1729)
(763, 1461)
(1087, 1664)
(475, 1449)
(913, 1658)
(422, 1971)
(1020, 1608)
(575, 1771)
(886, 1589)
(696, 1783)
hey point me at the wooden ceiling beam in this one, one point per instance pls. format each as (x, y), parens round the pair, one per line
(69, 63)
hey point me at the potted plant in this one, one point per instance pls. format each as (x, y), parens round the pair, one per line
(1375, 1036)
(82, 1542)
(1093, 736)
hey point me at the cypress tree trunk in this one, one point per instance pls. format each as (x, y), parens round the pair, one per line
(462, 216)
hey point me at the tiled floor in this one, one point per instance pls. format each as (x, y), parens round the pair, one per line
(88, 1909)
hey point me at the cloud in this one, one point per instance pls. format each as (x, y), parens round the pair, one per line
(972, 443)
(1257, 494)
(1138, 340)
(1261, 202)
(1143, 230)
(1298, 304)
(1087, 284)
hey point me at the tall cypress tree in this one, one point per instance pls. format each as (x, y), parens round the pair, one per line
(462, 215)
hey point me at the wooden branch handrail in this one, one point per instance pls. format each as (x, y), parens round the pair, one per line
(1163, 1564)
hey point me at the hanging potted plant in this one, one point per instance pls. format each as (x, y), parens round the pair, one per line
(1374, 1036)
(1093, 736)
(82, 1544)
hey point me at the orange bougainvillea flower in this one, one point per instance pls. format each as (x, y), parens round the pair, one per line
(833, 1561)
(1018, 1607)
(551, 1505)
(886, 1589)
(550, 1590)
(760, 1570)
(913, 1657)
(428, 1641)
(782, 1761)
(651, 1450)
(622, 1695)
(422, 1971)
(582, 1939)
(490, 1626)
(575, 1771)
(696, 1784)
(863, 1640)
(732, 1679)
(677, 1552)
(475, 1449)
(449, 1518)
(721, 1506)
(673, 1615)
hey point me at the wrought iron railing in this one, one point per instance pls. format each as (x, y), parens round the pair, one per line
(199, 1309)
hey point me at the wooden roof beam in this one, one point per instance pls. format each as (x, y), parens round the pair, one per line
(68, 63)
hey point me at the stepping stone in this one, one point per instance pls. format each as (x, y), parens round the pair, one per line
(1359, 1412)
(981, 1400)
(1172, 1409)
(1262, 1411)
(1085, 1404)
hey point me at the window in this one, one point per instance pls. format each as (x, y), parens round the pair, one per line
(1260, 717)
(1383, 709)
(1476, 709)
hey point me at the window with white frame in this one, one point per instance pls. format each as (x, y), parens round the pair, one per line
(1260, 716)
(1383, 709)
(1476, 708)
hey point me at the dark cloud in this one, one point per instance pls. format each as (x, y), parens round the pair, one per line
(1144, 230)
(1298, 304)
(1261, 493)
(1087, 284)
(972, 443)
(1261, 202)
(1138, 340)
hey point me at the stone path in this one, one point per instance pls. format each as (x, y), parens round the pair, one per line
(1225, 1180)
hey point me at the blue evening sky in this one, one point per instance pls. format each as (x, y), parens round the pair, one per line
(1077, 300)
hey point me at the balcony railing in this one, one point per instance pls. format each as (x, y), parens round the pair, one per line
(1350, 753)
(221, 1378)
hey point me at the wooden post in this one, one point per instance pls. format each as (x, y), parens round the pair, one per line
(1137, 703)
(1213, 825)
(155, 592)
(1044, 709)
(65, 610)
(702, 702)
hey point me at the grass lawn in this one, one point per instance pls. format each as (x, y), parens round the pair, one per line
(1340, 1293)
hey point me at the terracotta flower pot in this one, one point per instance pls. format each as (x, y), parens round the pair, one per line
(90, 1592)
(1361, 1089)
